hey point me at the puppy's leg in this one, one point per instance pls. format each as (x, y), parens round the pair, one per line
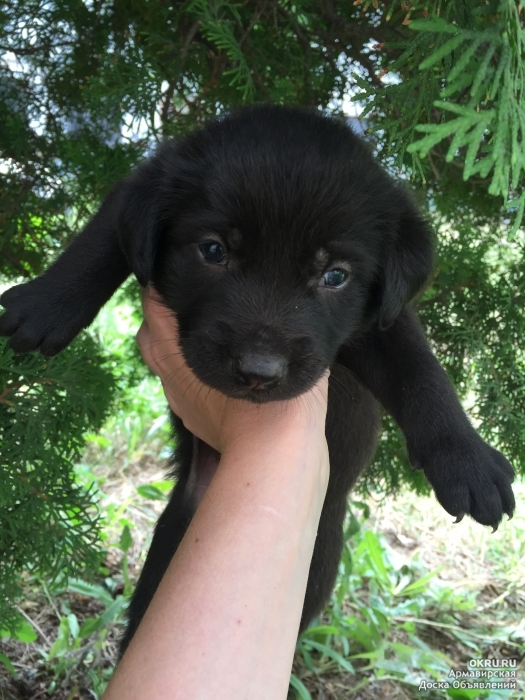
(352, 425)
(49, 311)
(398, 366)
(196, 464)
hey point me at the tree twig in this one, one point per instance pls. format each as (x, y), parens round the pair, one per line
(35, 626)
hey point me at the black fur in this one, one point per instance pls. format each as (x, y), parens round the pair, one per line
(289, 195)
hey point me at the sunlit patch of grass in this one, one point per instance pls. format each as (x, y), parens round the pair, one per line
(403, 610)
(416, 598)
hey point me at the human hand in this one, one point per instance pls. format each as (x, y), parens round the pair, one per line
(248, 548)
(213, 417)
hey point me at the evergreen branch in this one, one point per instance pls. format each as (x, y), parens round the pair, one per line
(219, 31)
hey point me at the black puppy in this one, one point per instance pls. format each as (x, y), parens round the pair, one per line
(282, 248)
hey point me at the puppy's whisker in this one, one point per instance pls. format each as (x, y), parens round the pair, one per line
(203, 386)
(172, 374)
(314, 399)
(161, 340)
(171, 354)
(339, 387)
(190, 385)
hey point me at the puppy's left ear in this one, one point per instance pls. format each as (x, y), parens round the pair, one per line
(140, 218)
(407, 263)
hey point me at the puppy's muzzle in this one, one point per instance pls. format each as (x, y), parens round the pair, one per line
(256, 371)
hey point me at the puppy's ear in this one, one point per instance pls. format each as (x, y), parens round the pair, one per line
(141, 217)
(408, 262)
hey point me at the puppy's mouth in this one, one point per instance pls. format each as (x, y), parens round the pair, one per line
(259, 395)
(283, 391)
(261, 391)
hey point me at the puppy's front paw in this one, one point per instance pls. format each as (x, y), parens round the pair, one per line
(470, 477)
(36, 317)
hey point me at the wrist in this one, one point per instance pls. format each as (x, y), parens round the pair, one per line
(269, 437)
(258, 449)
(295, 418)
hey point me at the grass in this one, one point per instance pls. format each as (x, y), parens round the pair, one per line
(416, 595)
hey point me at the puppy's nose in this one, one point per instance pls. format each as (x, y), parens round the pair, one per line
(259, 371)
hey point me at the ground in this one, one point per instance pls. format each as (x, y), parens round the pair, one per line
(472, 607)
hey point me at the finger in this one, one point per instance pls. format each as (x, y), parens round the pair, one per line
(151, 305)
(143, 339)
(143, 333)
(162, 322)
(322, 384)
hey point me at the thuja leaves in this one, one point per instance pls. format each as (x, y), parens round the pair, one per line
(218, 21)
(48, 523)
(453, 92)
(482, 105)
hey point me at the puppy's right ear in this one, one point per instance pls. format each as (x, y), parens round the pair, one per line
(408, 259)
(140, 218)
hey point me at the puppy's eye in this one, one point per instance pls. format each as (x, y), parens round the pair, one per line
(213, 252)
(334, 278)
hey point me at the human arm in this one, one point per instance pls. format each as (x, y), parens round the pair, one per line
(224, 620)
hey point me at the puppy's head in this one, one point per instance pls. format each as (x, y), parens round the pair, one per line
(274, 237)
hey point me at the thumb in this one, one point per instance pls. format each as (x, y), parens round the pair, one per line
(143, 339)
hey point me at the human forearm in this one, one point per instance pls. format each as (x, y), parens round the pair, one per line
(224, 621)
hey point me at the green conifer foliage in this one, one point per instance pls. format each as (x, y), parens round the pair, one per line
(48, 524)
(89, 87)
